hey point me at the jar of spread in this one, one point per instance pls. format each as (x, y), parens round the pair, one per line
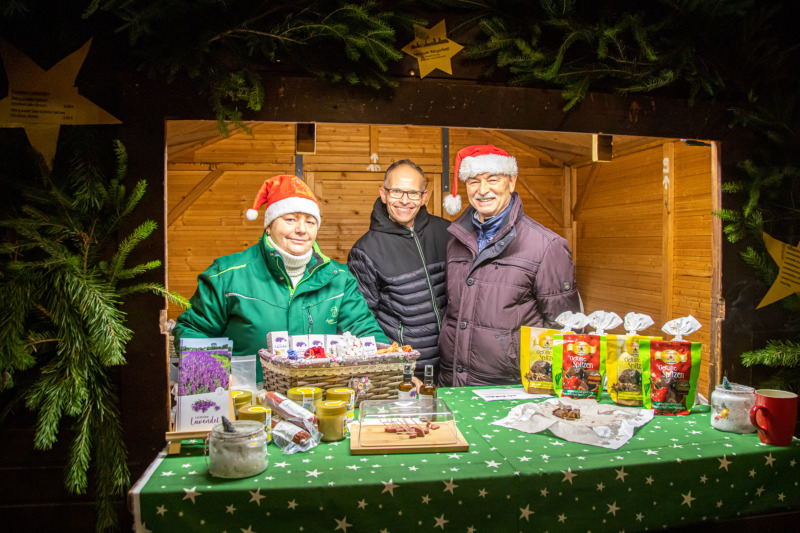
(344, 394)
(730, 408)
(332, 420)
(258, 413)
(242, 453)
(307, 397)
(241, 398)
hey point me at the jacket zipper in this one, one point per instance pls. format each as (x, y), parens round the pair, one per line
(428, 278)
(401, 334)
(310, 321)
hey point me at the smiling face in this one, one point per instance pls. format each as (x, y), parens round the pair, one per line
(489, 194)
(403, 210)
(294, 233)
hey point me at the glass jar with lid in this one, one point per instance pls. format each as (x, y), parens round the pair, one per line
(305, 396)
(240, 454)
(730, 408)
(332, 420)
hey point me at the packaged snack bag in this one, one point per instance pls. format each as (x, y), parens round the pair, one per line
(536, 353)
(623, 368)
(670, 369)
(579, 360)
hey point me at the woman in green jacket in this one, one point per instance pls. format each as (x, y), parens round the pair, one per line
(283, 283)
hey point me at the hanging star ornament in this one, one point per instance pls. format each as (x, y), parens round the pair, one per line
(788, 259)
(41, 101)
(432, 49)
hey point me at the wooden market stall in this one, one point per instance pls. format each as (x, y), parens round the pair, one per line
(640, 225)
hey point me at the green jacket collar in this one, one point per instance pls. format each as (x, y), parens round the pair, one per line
(274, 260)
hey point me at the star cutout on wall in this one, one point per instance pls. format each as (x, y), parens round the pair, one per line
(342, 524)
(41, 101)
(191, 494)
(788, 259)
(432, 49)
(526, 512)
(449, 486)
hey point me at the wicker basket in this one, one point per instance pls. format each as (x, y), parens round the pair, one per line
(384, 378)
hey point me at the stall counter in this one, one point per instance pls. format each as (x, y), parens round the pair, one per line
(675, 471)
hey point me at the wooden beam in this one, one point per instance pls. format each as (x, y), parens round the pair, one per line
(717, 303)
(566, 206)
(667, 237)
(524, 147)
(373, 140)
(587, 190)
(208, 181)
(543, 201)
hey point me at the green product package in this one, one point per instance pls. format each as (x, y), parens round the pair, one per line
(670, 371)
(579, 364)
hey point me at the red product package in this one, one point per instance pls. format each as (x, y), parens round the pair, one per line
(670, 370)
(579, 365)
(287, 409)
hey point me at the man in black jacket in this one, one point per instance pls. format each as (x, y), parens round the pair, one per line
(400, 263)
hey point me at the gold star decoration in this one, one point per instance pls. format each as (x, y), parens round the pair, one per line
(41, 101)
(788, 280)
(432, 49)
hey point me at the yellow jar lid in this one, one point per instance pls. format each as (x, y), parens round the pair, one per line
(298, 393)
(340, 393)
(241, 396)
(331, 407)
(254, 412)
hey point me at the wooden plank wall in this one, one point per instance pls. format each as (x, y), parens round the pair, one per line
(634, 241)
(627, 257)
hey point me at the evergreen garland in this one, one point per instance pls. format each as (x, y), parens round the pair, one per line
(62, 281)
(229, 43)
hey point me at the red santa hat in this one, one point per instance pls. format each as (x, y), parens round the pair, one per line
(473, 161)
(283, 195)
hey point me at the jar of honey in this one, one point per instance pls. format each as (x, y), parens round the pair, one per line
(259, 413)
(344, 394)
(241, 398)
(305, 396)
(332, 416)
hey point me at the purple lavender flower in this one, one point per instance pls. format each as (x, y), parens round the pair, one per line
(204, 405)
(200, 373)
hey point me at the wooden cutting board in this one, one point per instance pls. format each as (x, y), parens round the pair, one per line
(381, 442)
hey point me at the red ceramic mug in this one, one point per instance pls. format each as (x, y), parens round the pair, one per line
(775, 416)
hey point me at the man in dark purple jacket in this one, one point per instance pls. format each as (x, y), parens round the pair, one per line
(504, 270)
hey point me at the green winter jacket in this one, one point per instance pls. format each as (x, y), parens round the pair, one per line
(244, 296)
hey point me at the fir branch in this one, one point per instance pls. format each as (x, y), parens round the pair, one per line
(776, 354)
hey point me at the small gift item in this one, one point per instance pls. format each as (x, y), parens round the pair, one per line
(623, 368)
(670, 369)
(730, 407)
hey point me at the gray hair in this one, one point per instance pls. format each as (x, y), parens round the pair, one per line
(408, 163)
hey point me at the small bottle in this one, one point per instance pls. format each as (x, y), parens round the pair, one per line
(427, 393)
(406, 390)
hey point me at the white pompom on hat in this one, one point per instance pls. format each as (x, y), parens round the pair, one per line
(283, 195)
(473, 161)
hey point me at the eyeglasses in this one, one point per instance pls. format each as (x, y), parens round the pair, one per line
(398, 193)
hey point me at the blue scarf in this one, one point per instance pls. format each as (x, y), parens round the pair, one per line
(488, 229)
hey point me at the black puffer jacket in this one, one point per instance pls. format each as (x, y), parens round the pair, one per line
(401, 273)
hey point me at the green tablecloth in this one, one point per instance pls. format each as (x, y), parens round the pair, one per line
(674, 471)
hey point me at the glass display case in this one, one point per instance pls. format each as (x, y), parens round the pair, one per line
(404, 424)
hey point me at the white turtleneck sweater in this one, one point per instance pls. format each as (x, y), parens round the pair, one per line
(295, 264)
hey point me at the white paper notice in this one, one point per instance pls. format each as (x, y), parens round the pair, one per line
(491, 395)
